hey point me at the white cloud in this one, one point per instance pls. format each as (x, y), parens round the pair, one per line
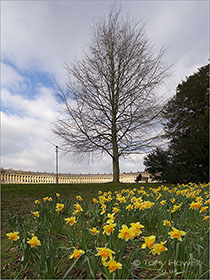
(42, 34)
(10, 78)
(25, 135)
(42, 106)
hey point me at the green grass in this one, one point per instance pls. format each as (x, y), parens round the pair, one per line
(19, 199)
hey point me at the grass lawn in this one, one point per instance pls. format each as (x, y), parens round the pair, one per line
(69, 237)
(19, 199)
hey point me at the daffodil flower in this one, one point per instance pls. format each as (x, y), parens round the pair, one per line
(112, 265)
(13, 235)
(104, 253)
(34, 241)
(177, 234)
(76, 254)
(149, 242)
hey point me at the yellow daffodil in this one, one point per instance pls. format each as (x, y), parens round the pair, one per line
(166, 223)
(102, 199)
(108, 229)
(158, 248)
(126, 233)
(129, 207)
(46, 198)
(149, 242)
(36, 201)
(133, 199)
(199, 199)
(163, 202)
(111, 218)
(94, 231)
(137, 205)
(177, 234)
(121, 199)
(13, 235)
(78, 207)
(203, 209)
(207, 201)
(104, 253)
(57, 195)
(36, 214)
(198, 205)
(112, 265)
(115, 209)
(34, 241)
(71, 221)
(50, 199)
(59, 207)
(206, 218)
(136, 228)
(103, 207)
(76, 254)
(95, 200)
(78, 197)
(175, 208)
(193, 205)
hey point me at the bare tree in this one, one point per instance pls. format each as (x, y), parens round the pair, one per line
(110, 103)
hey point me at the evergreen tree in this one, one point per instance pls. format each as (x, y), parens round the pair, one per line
(186, 126)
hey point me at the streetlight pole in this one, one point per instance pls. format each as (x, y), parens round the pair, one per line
(56, 159)
(56, 163)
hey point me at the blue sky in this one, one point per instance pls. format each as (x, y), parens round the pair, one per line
(37, 37)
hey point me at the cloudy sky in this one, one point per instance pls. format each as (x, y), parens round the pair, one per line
(37, 37)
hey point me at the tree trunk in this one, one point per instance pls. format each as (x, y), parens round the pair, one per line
(115, 160)
(115, 156)
(116, 169)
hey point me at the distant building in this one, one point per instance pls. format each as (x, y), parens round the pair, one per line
(10, 176)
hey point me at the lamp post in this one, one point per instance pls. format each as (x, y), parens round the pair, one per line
(56, 158)
(56, 163)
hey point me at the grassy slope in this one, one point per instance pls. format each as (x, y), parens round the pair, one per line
(19, 199)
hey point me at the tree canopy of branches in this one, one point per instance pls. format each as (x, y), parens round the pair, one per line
(186, 123)
(110, 103)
